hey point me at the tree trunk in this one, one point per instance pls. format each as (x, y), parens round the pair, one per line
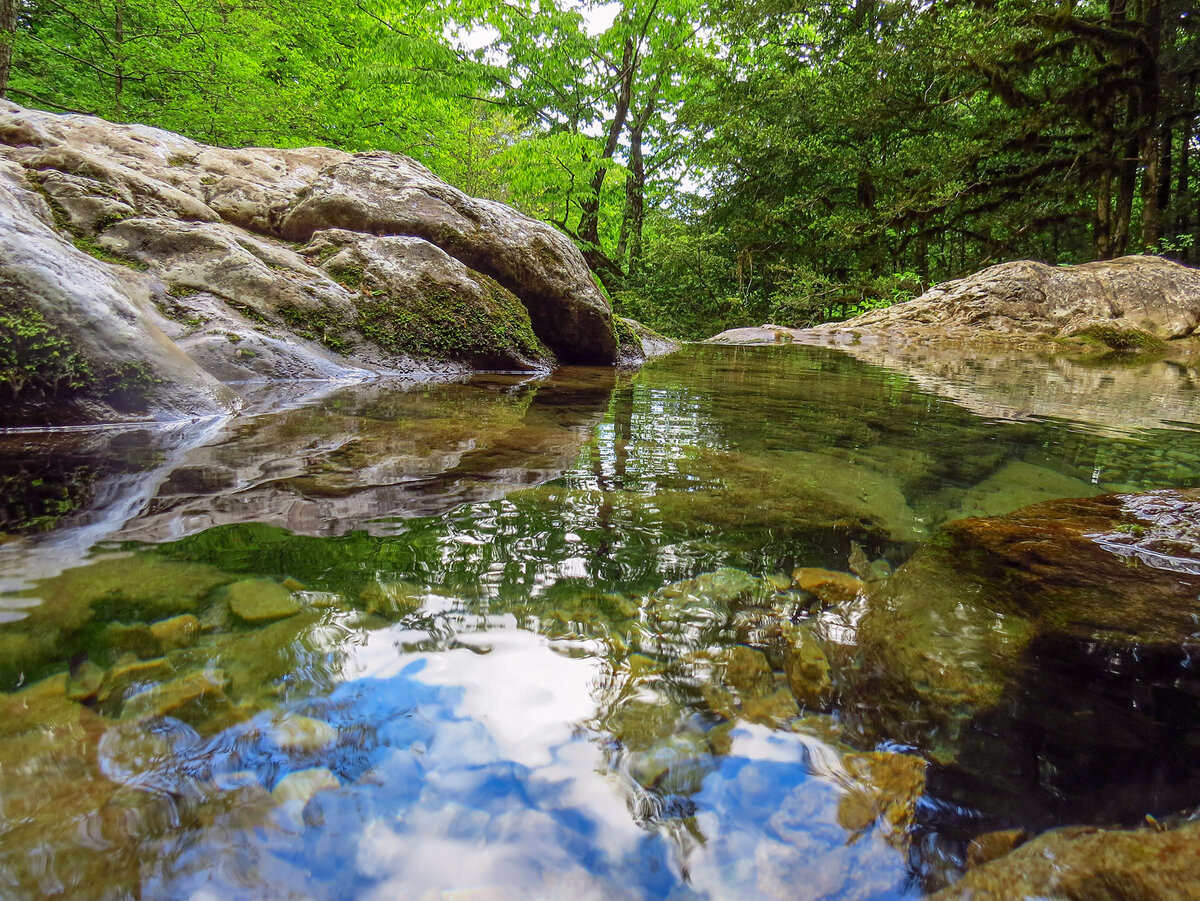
(118, 56)
(1102, 236)
(8, 34)
(589, 218)
(1149, 92)
(1187, 131)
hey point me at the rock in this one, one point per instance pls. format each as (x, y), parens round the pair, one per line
(943, 639)
(411, 297)
(176, 632)
(261, 601)
(194, 698)
(128, 674)
(883, 787)
(294, 732)
(301, 785)
(78, 337)
(992, 845)
(85, 681)
(746, 671)
(1131, 303)
(1082, 864)
(388, 194)
(1018, 484)
(808, 672)
(829, 586)
(141, 269)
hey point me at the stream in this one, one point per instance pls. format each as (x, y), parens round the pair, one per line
(595, 634)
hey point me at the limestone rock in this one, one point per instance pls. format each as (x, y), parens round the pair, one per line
(808, 672)
(150, 268)
(829, 586)
(176, 632)
(1126, 303)
(294, 732)
(388, 194)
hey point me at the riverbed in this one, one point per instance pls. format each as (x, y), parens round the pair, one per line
(574, 635)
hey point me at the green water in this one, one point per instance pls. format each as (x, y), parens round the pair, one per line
(537, 637)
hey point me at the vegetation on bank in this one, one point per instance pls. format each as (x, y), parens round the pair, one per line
(719, 164)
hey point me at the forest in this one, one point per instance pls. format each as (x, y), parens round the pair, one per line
(718, 164)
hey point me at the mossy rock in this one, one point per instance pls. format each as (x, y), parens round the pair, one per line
(1125, 340)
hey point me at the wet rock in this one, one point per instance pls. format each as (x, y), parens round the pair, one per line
(884, 789)
(129, 638)
(152, 265)
(746, 671)
(808, 672)
(261, 601)
(302, 785)
(391, 599)
(992, 845)
(828, 585)
(1082, 864)
(128, 675)
(91, 350)
(85, 681)
(176, 632)
(1018, 484)
(194, 698)
(294, 732)
(945, 637)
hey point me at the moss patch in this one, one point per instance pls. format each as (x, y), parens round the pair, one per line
(437, 321)
(1126, 340)
(325, 326)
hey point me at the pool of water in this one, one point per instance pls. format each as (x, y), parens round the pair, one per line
(545, 637)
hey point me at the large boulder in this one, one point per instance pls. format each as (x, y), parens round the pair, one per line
(1135, 303)
(139, 270)
(387, 194)
(949, 635)
(1128, 303)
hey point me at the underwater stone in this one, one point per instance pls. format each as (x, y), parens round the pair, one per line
(830, 586)
(1084, 864)
(294, 732)
(176, 632)
(193, 698)
(808, 673)
(261, 600)
(303, 784)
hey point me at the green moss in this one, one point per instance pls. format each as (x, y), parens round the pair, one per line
(180, 159)
(89, 246)
(625, 334)
(1126, 340)
(436, 321)
(323, 325)
(348, 276)
(37, 357)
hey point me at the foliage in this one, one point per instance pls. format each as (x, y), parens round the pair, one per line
(717, 164)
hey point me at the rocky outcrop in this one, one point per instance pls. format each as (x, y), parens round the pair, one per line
(1128, 303)
(140, 270)
(1134, 303)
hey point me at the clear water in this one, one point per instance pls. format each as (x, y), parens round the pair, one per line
(526, 638)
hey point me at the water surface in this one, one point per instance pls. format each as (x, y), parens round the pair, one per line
(513, 637)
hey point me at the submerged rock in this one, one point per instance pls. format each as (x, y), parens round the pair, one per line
(1083, 864)
(261, 601)
(300, 787)
(946, 637)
